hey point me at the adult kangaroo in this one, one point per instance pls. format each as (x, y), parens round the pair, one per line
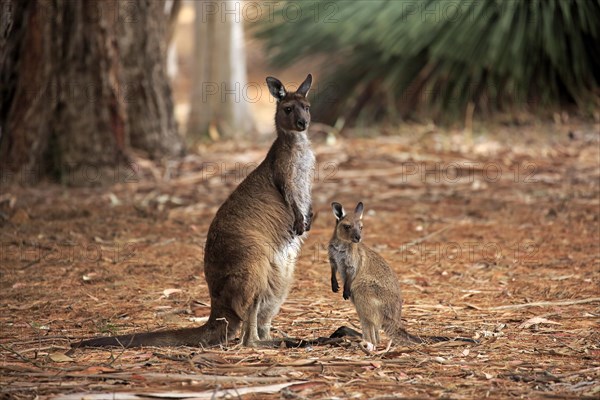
(254, 240)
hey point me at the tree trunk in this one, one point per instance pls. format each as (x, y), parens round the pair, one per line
(142, 42)
(62, 113)
(23, 114)
(219, 105)
(65, 110)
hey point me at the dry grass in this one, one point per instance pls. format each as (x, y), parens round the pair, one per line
(477, 256)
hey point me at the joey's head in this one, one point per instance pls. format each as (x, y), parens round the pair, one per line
(293, 108)
(348, 228)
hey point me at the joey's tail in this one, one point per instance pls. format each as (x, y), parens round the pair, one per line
(401, 334)
(212, 333)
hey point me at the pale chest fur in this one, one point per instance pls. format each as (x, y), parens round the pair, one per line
(285, 257)
(302, 161)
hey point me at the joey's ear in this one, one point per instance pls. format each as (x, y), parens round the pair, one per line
(338, 210)
(359, 210)
(276, 88)
(305, 86)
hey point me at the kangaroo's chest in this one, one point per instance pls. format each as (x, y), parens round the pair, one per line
(302, 163)
(284, 258)
(347, 262)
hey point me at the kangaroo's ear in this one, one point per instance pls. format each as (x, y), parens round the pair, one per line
(358, 211)
(276, 88)
(338, 210)
(305, 86)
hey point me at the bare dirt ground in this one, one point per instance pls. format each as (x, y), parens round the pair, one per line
(495, 238)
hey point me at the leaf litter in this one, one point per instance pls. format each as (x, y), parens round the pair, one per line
(510, 259)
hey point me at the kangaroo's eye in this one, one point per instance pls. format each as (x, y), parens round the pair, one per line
(307, 108)
(347, 227)
(287, 110)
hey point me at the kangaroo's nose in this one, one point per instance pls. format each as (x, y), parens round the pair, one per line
(301, 124)
(356, 238)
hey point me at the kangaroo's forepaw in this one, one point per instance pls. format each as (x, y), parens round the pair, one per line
(299, 226)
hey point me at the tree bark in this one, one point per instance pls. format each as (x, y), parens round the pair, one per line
(62, 113)
(23, 113)
(143, 42)
(219, 105)
(74, 98)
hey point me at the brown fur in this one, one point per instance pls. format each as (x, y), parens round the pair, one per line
(254, 239)
(368, 281)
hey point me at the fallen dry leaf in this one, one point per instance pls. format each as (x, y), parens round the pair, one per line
(168, 292)
(535, 321)
(60, 357)
(90, 276)
(95, 369)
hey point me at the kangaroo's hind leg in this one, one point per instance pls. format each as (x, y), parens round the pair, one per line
(249, 326)
(370, 319)
(280, 267)
(266, 313)
(268, 309)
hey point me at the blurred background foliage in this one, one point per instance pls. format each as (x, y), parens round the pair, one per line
(386, 60)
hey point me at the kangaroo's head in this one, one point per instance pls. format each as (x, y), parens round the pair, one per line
(293, 109)
(348, 228)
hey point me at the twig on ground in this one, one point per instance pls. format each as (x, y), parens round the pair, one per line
(546, 304)
(424, 238)
(20, 356)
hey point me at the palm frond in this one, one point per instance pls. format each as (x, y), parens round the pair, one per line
(394, 57)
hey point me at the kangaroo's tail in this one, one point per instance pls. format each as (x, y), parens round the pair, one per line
(215, 331)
